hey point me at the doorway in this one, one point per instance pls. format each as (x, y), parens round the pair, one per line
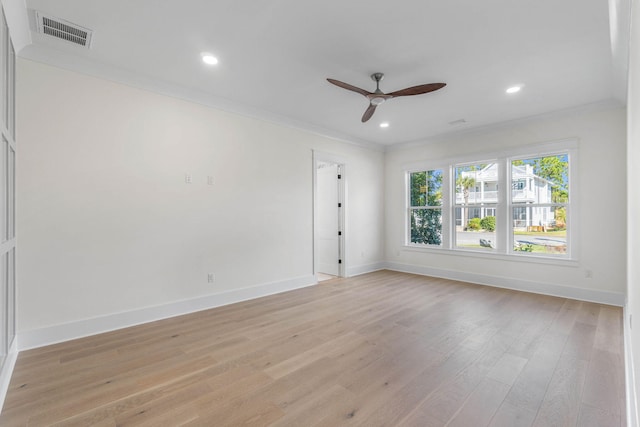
(329, 233)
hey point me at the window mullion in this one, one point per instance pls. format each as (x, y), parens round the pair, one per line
(447, 208)
(503, 229)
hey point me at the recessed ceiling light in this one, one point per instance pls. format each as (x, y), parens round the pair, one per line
(209, 59)
(514, 89)
(384, 125)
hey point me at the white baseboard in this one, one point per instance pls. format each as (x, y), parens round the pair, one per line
(65, 332)
(7, 370)
(83, 328)
(630, 383)
(327, 268)
(366, 268)
(602, 297)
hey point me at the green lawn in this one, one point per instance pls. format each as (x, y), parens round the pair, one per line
(542, 249)
(561, 233)
(538, 249)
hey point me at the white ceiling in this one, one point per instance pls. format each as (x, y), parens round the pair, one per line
(275, 56)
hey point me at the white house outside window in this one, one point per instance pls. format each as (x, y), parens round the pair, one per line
(539, 208)
(475, 205)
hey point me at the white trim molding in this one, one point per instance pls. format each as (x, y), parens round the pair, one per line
(87, 327)
(319, 156)
(17, 17)
(7, 371)
(366, 268)
(581, 294)
(630, 383)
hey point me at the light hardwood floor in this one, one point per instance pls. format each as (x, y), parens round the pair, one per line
(381, 349)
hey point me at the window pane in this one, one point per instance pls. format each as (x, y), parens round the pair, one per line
(426, 226)
(547, 240)
(537, 184)
(4, 175)
(477, 184)
(540, 180)
(3, 303)
(426, 188)
(477, 189)
(11, 97)
(11, 198)
(434, 187)
(11, 295)
(479, 231)
(418, 189)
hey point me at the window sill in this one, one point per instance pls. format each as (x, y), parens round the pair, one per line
(537, 259)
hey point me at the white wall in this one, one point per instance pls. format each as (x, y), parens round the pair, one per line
(601, 136)
(107, 224)
(633, 197)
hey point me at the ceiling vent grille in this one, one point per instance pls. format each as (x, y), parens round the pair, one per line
(64, 30)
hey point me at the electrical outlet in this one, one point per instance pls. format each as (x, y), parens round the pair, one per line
(188, 178)
(210, 180)
(210, 278)
(588, 274)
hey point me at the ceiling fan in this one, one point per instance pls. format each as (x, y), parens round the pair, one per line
(378, 97)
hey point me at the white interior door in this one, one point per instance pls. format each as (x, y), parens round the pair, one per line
(328, 215)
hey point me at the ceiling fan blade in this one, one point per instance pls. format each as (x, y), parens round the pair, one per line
(418, 90)
(369, 112)
(349, 87)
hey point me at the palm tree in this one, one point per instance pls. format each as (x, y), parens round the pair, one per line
(465, 182)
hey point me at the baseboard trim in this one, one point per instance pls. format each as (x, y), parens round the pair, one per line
(601, 297)
(365, 268)
(87, 327)
(630, 383)
(7, 371)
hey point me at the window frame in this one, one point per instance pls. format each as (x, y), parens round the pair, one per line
(441, 207)
(504, 245)
(8, 341)
(571, 158)
(470, 206)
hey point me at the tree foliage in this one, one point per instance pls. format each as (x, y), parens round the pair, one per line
(474, 224)
(556, 170)
(488, 223)
(466, 183)
(426, 224)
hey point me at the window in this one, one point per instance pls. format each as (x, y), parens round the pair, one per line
(539, 211)
(425, 212)
(7, 191)
(476, 201)
(517, 204)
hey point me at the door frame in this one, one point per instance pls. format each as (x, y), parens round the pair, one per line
(318, 157)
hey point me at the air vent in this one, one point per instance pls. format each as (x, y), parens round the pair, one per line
(62, 29)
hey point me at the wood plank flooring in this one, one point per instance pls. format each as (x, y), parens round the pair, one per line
(381, 349)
